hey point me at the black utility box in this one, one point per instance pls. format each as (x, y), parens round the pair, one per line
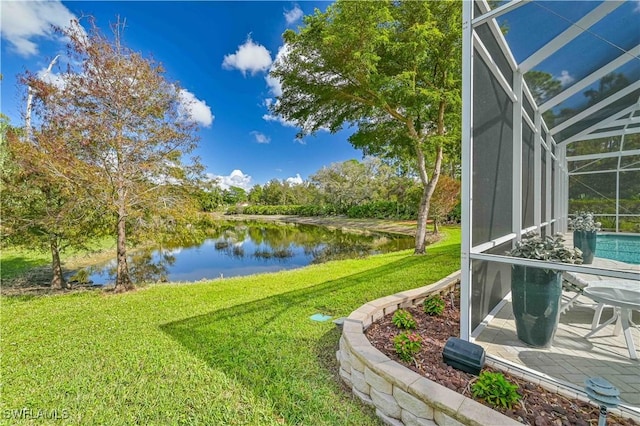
(463, 355)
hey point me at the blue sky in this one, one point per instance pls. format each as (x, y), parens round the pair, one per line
(219, 51)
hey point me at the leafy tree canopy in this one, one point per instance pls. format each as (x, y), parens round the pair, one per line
(117, 130)
(391, 68)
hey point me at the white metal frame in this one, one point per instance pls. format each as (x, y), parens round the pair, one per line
(555, 215)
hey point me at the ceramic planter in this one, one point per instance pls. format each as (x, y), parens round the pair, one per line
(586, 242)
(536, 295)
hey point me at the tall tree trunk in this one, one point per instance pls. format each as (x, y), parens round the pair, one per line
(429, 185)
(57, 282)
(123, 280)
(425, 200)
(435, 227)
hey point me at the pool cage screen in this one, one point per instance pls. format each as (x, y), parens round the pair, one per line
(551, 126)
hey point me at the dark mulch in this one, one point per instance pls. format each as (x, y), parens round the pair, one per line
(538, 406)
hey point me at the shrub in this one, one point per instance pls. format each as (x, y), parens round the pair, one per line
(434, 305)
(407, 345)
(272, 210)
(403, 319)
(495, 389)
(300, 210)
(382, 210)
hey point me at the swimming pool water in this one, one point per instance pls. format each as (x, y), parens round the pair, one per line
(625, 248)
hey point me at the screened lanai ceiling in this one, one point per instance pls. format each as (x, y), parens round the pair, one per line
(581, 63)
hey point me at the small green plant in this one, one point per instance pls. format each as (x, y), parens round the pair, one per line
(407, 345)
(495, 389)
(403, 319)
(585, 221)
(434, 305)
(550, 248)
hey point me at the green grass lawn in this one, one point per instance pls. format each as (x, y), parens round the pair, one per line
(225, 352)
(15, 261)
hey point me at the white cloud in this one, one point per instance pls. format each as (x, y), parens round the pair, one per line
(297, 180)
(250, 57)
(261, 137)
(275, 86)
(51, 78)
(195, 109)
(565, 78)
(236, 178)
(22, 21)
(279, 119)
(293, 15)
(275, 89)
(270, 117)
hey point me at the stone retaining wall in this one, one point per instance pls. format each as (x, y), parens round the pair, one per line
(400, 395)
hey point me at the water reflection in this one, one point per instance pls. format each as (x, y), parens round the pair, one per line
(245, 248)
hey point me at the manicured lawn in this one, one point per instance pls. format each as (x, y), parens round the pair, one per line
(226, 352)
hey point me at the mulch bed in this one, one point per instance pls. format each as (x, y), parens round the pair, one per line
(538, 406)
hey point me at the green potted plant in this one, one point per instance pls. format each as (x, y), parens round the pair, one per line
(585, 229)
(536, 292)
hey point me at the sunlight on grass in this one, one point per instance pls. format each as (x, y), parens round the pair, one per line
(233, 351)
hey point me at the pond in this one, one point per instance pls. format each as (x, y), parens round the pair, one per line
(246, 248)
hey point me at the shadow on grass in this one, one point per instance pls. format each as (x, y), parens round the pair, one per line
(13, 266)
(276, 351)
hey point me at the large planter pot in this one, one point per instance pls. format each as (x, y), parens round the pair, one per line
(586, 242)
(536, 295)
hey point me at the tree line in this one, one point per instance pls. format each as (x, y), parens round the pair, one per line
(359, 189)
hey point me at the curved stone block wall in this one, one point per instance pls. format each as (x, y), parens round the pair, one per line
(400, 395)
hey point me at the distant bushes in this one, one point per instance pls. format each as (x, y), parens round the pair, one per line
(297, 210)
(373, 210)
(271, 210)
(603, 206)
(383, 210)
(607, 207)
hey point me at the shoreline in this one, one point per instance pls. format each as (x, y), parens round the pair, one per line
(404, 227)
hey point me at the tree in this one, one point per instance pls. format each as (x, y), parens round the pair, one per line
(124, 129)
(390, 67)
(234, 195)
(210, 195)
(344, 184)
(274, 193)
(255, 194)
(39, 210)
(445, 198)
